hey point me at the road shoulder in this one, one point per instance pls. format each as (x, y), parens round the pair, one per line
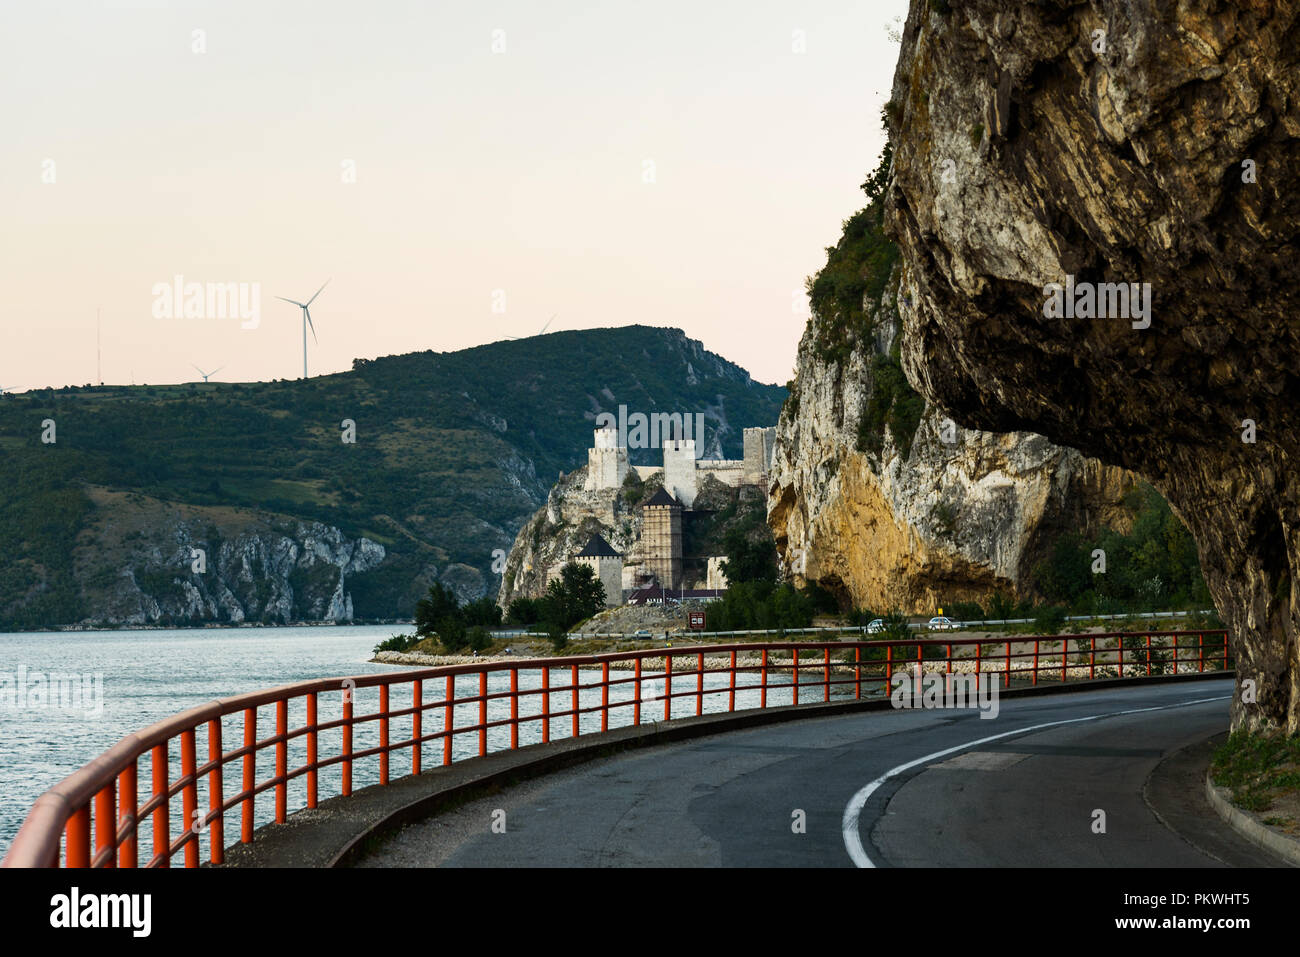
(1176, 793)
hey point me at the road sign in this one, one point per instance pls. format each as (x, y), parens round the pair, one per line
(697, 620)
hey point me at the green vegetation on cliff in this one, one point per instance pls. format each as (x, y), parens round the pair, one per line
(852, 285)
(857, 270)
(1153, 567)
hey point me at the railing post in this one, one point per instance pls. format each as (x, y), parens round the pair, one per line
(346, 789)
(161, 816)
(857, 670)
(78, 833)
(948, 653)
(250, 776)
(668, 687)
(1036, 641)
(826, 673)
(1200, 652)
(1175, 637)
(383, 734)
(1065, 657)
(106, 822)
(796, 676)
(573, 684)
(1120, 642)
(636, 696)
(699, 686)
(312, 756)
(281, 760)
(731, 700)
(604, 696)
(514, 708)
(482, 713)
(448, 707)
(129, 811)
(190, 798)
(978, 651)
(216, 795)
(1148, 654)
(1007, 682)
(762, 694)
(417, 724)
(546, 702)
(1092, 658)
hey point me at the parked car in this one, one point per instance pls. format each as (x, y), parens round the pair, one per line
(942, 624)
(876, 626)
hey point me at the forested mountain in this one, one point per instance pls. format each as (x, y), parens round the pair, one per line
(452, 452)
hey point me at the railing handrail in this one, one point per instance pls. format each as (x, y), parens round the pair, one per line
(37, 841)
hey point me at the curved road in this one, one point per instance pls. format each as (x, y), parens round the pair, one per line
(901, 788)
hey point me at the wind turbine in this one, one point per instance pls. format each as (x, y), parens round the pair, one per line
(206, 374)
(306, 321)
(544, 328)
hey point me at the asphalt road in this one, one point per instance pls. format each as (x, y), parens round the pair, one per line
(899, 788)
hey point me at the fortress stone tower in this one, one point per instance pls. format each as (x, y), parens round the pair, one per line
(606, 463)
(608, 566)
(661, 538)
(679, 470)
(760, 445)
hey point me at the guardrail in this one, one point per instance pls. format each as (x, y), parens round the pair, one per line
(852, 629)
(103, 798)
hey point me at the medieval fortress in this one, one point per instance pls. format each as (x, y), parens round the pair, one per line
(656, 558)
(636, 549)
(607, 464)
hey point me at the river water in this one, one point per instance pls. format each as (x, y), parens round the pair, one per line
(127, 680)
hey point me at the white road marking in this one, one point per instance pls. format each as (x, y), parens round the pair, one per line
(850, 827)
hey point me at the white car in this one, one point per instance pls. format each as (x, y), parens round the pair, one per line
(876, 627)
(942, 624)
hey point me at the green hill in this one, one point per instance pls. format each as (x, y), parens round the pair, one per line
(453, 452)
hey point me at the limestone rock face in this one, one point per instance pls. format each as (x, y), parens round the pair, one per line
(254, 568)
(1167, 154)
(560, 529)
(950, 521)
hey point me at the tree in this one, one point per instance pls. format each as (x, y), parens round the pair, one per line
(1000, 607)
(483, 611)
(440, 614)
(747, 559)
(439, 605)
(576, 595)
(895, 627)
(524, 611)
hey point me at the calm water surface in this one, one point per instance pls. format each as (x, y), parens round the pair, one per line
(150, 675)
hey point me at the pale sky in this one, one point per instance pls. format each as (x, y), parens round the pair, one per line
(672, 164)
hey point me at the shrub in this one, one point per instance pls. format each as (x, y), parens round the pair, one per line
(524, 611)
(1049, 619)
(477, 638)
(397, 643)
(966, 611)
(483, 611)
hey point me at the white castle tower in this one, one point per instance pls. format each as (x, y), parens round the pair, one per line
(606, 462)
(679, 470)
(760, 444)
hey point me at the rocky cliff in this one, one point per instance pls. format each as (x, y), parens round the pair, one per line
(922, 518)
(560, 528)
(145, 562)
(1131, 143)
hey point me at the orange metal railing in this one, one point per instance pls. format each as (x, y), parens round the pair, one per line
(96, 817)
